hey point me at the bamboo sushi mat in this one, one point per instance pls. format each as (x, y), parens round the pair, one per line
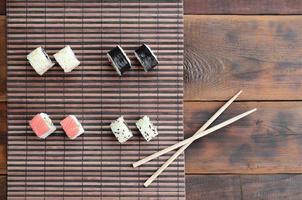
(95, 165)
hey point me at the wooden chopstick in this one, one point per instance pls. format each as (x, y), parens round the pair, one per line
(191, 139)
(204, 127)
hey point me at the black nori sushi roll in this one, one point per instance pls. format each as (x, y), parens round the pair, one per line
(146, 57)
(119, 60)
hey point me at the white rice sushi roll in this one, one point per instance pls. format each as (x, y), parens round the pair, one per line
(147, 129)
(40, 61)
(42, 125)
(120, 130)
(146, 57)
(67, 59)
(72, 127)
(119, 60)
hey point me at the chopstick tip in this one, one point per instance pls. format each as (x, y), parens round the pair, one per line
(253, 110)
(237, 94)
(147, 183)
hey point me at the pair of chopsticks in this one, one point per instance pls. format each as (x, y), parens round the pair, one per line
(185, 143)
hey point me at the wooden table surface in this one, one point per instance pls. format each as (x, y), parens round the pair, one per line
(230, 45)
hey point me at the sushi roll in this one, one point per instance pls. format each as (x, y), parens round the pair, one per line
(146, 57)
(120, 130)
(72, 127)
(67, 59)
(42, 125)
(146, 128)
(40, 61)
(119, 60)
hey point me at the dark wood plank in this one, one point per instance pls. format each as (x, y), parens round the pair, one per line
(259, 54)
(246, 7)
(210, 187)
(268, 141)
(250, 187)
(247, 187)
(2, 7)
(2, 57)
(2, 187)
(278, 186)
(284, 186)
(231, 7)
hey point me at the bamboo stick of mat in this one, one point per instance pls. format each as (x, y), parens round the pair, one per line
(204, 127)
(191, 139)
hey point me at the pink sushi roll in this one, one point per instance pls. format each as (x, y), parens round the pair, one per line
(42, 125)
(72, 127)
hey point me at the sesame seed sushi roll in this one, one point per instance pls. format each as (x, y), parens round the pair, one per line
(42, 125)
(40, 61)
(146, 57)
(67, 59)
(72, 127)
(120, 130)
(147, 129)
(119, 60)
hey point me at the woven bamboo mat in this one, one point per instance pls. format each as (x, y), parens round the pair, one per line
(94, 166)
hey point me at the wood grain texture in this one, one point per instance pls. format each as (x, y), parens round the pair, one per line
(3, 65)
(2, 7)
(259, 54)
(3, 137)
(267, 187)
(268, 141)
(94, 165)
(244, 7)
(212, 187)
(247, 187)
(3, 187)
